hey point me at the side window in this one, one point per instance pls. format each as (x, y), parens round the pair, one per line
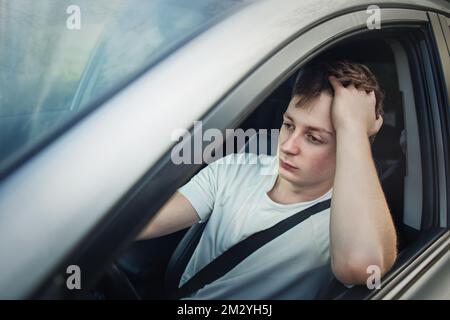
(396, 148)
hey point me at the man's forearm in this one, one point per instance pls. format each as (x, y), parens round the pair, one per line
(361, 228)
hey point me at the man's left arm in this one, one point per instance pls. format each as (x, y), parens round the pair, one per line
(362, 232)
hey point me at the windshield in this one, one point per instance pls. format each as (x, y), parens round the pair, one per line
(58, 57)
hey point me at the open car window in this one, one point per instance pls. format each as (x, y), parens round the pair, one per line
(396, 149)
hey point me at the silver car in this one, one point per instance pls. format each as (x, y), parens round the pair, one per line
(91, 94)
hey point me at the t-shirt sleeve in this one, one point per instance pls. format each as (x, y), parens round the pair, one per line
(201, 191)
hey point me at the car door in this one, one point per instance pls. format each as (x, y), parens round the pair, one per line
(243, 95)
(241, 101)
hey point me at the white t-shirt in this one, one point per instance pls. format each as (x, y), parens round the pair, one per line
(232, 194)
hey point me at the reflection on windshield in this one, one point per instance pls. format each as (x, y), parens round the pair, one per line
(49, 71)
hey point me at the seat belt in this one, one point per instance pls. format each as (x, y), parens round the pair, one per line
(238, 252)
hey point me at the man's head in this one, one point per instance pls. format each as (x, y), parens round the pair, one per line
(307, 142)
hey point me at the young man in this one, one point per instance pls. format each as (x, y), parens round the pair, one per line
(323, 152)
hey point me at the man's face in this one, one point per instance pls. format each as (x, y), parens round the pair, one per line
(307, 143)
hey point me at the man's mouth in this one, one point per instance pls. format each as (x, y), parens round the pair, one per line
(287, 165)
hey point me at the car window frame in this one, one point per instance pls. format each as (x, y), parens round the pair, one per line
(445, 25)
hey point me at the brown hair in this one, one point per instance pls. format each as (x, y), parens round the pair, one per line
(313, 80)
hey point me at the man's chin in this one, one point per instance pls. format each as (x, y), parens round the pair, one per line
(289, 176)
(301, 182)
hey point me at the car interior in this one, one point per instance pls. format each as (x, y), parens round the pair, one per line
(153, 267)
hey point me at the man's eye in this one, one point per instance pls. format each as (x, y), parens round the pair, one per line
(313, 139)
(288, 125)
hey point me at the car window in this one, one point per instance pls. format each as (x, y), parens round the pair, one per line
(58, 58)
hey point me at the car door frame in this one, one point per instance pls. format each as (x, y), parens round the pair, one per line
(230, 111)
(257, 86)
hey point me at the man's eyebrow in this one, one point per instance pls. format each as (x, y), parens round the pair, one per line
(319, 130)
(312, 128)
(286, 115)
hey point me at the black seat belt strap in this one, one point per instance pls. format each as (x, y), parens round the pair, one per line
(237, 253)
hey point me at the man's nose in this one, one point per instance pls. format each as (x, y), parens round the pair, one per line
(291, 145)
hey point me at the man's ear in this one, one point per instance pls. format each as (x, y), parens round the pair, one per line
(378, 123)
(377, 127)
